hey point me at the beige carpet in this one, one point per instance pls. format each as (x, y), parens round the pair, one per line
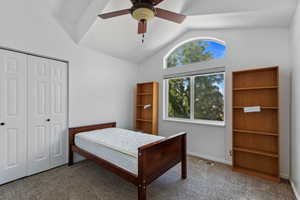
(87, 181)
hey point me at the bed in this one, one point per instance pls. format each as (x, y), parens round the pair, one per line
(138, 158)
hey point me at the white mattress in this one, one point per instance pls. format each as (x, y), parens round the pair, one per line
(118, 146)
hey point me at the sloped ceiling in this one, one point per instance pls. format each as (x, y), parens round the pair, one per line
(118, 36)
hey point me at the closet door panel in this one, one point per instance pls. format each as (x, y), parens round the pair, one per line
(58, 136)
(39, 96)
(13, 149)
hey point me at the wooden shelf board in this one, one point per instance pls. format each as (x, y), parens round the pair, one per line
(257, 70)
(256, 174)
(255, 132)
(147, 83)
(144, 120)
(256, 88)
(262, 107)
(256, 152)
(146, 93)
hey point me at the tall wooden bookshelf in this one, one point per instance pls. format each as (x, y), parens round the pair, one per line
(147, 107)
(256, 134)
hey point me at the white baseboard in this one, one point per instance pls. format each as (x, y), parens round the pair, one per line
(284, 176)
(226, 162)
(295, 190)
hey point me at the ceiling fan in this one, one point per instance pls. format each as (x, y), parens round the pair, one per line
(144, 11)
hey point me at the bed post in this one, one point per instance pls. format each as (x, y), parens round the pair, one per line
(183, 158)
(142, 191)
(71, 153)
(142, 186)
(71, 159)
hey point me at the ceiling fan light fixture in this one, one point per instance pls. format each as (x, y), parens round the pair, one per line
(144, 11)
(143, 14)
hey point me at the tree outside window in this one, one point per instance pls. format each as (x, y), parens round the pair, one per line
(208, 101)
(209, 97)
(179, 98)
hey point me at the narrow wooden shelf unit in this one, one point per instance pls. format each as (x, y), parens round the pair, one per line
(256, 134)
(147, 107)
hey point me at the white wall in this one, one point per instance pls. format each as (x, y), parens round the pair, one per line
(101, 87)
(248, 48)
(295, 133)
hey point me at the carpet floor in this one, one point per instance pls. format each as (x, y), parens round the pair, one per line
(87, 181)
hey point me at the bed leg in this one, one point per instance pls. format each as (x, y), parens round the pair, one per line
(142, 192)
(183, 159)
(71, 157)
(183, 170)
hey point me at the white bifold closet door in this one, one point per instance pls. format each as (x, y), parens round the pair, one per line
(13, 136)
(47, 114)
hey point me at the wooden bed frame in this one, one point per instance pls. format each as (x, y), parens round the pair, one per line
(154, 159)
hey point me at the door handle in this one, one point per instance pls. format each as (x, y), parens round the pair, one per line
(2, 124)
(48, 120)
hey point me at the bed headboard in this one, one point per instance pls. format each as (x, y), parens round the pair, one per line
(75, 130)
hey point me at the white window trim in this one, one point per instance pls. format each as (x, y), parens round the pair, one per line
(192, 119)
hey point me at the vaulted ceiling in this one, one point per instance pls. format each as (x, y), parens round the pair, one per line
(118, 36)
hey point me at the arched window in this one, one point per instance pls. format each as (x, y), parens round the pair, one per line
(197, 95)
(196, 50)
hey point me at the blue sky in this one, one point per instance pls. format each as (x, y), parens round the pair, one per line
(218, 50)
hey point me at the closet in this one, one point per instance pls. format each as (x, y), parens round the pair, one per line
(33, 114)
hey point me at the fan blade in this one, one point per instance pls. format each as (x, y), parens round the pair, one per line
(156, 2)
(115, 14)
(170, 16)
(142, 27)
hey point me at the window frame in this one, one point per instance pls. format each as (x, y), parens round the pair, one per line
(192, 102)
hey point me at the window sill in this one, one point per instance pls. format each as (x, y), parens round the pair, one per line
(200, 122)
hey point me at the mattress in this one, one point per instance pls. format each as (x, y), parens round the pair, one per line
(115, 145)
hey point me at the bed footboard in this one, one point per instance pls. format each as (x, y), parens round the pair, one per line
(158, 157)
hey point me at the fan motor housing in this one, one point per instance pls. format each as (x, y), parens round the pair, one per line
(143, 12)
